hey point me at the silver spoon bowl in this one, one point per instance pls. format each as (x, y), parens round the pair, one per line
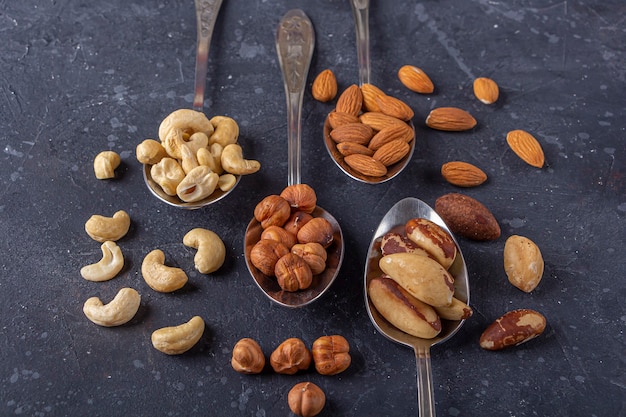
(394, 221)
(295, 42)
(360, 10)
(206, 15)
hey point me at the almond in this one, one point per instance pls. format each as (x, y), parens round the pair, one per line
(467, 217)
(349, 148)
(366, 165)
(450, 119)
(324, 86)
(526, 147)
(337, 119)
(486, 90)
(370, 92)
(392, 152)
(390, 133)
(378, 121)
(350, 101)
(352, 132)
(415, 79)
(395, 107)
(463, 174)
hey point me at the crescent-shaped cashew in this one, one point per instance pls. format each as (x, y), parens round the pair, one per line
(188, 120)
(160, 277)
(211, 250)
(226, 131)
(104, 164)
(178, 339)
(101, 228)
(108, 267)
(233, 162)
(119, 311)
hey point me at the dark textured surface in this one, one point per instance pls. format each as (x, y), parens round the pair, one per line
(79, 77)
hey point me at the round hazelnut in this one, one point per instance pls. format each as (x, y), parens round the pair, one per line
(306, 399)
(293, 273)
(279, 234)
(273, 210)
(296, 221)
(265, 253)
(330, 354)
(290, 357)
(248, 357)
(317, 230)
(301, 197)
(313, 254)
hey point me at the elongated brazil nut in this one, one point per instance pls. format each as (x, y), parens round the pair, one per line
(433, 239)
(512, 329)
(467, 217)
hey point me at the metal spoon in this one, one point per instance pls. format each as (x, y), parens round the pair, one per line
(394, 220)
(206, 15)
(360, 9)
(295, 41)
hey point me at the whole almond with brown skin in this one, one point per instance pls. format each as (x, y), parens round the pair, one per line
(391, 133)
(352, 132)
(463, 174)
(513, 329)
(392, 152)
(350, 101)
(467, 217)
(450, 119)
(486, 90)
(395, 107)
(526, 147)
(336, 119)
(349, 148)
(415, 79)
(378, 121)
(366, 165)
(370, 92)
(324, 86)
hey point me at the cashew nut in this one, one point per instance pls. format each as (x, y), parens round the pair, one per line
(197, 141)
(233, 162)
(211, 250)
(190, 121)
(188, 160)
(150, 152)
(211, 157)
(226, 182)
(105, 163)
(168, 174)
(173, 142)
(226, 131)
(160, 277)
(101, 228)
(119, 311)
(198, 184)
(178, 339)
(108, 267)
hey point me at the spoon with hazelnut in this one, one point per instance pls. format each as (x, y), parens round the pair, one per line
(276, 265)
(395, 221)
(374, 159)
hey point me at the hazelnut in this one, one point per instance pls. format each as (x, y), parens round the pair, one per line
(296, 221)
(290, 357)
(313, 254)
(265, 253)
(330, 354)
(301, 197)
(279, 234)
(293, 273)
(273, 210)
(317, 230)
(306, 399)
(248, 357)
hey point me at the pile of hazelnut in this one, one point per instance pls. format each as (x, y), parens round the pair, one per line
(293, 242)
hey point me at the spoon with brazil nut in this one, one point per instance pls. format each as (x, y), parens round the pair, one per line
(295, 42)
(360, 9)
(394, 221)
(206, 15)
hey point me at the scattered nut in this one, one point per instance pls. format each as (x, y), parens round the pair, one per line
(101, 228)
(463, 174)
(306, 399)
(178, 339)
(290, 357)
(105, 163)
(450, 119)
(415, 79)
(486, 90)
(523, 262)
(331, 354)
(324, 86)
(211, 250)
(248, 357)
(512, 329)
(160, 277)
(117, 312)
(526, 147)
(467, 217)
(108, 267)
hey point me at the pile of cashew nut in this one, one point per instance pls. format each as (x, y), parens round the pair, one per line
(172, 340)
(195, 155)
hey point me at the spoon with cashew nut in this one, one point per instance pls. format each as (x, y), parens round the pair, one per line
(369, 163)
(295, 42)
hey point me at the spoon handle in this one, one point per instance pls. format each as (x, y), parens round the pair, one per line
(360, 9)
(206, 14)
(425, 390)
(295, 41)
